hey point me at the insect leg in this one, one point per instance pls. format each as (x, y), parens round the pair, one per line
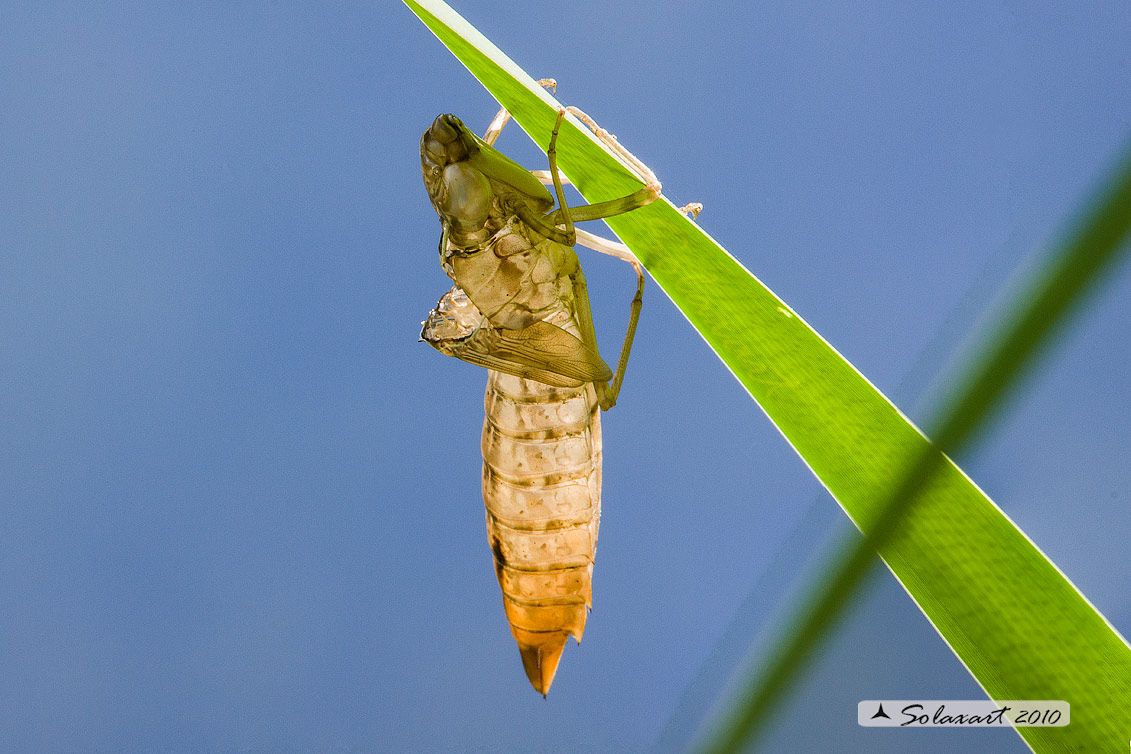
(630, 161)
(605, 246)
(692, 210)
(622, 252)
(633, 317)
(544, 177)
(550, 225)
(607, 392)
(641, 198)
(496, 126)
(552, 155)
(502, 117)
(649, 193)
(611, 142)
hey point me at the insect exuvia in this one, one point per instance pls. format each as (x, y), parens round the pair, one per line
(520, 308)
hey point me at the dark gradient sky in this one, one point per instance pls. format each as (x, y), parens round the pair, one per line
(239, 503)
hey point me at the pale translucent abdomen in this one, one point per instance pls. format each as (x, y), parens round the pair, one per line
(542, 490)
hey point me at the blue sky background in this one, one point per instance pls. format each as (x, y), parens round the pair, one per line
(239, 503)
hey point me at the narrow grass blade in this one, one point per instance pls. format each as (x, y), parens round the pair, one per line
(1098, 692)
(1018, 624)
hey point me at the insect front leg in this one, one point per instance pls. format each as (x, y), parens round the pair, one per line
(503, 117)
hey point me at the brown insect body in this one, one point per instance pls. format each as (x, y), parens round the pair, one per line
(520, 308)
(542, 489)
(541, 443)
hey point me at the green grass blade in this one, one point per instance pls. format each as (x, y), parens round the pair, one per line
(1018, 624)
(1098, 692)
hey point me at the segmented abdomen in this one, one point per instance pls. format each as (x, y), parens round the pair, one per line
(542, 490)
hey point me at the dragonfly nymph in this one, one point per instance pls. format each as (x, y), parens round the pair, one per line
(520, 308)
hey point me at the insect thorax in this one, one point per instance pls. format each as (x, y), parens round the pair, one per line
(517, 277)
